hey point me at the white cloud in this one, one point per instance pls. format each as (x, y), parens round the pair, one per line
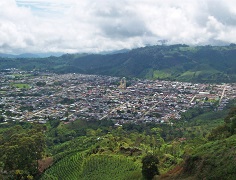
(93, 26)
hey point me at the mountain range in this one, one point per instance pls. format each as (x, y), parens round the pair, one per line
(176, 62)
(30, 55)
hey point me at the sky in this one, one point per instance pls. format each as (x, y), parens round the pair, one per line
(73, 26)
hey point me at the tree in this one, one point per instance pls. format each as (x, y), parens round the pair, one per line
(54, 122)
(233, 124)
(1, 119)
(21, 150)
(40, 83)
(231, 114)
(230, 120)
(149, 167)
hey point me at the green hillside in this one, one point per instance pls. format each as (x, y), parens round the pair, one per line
(213, 160)
(94, 167)
(216, 158)
(207, 153)
(67, 168)
(175, 62)
(103, 167)
(201, 145)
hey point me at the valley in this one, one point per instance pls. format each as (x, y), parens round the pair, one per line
(91, 116)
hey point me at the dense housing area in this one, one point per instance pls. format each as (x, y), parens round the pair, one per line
(37, 96)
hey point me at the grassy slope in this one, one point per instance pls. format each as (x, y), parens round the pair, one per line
(213, 160)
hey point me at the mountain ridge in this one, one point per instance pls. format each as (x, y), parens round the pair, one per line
(176, 62)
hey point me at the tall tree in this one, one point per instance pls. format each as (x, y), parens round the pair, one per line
(149, 167)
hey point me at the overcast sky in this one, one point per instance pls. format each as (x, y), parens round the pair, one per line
(71, 26)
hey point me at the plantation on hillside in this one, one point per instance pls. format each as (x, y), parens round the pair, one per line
(100, 167)
(200, 145)
(68, 168)
(105, 167)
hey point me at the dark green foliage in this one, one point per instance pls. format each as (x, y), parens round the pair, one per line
(149, 167)
(176, 62)
(99, 150)
(20, 149)
(231, 114)
(220, 132)
(233, 124)
(40, 83)
(27, 108)
(192, 113)
(54, 122)
(1, 119)
(67, 101)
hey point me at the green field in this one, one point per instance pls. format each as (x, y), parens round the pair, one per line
(2, 92)
(21, 86)
(160, 75)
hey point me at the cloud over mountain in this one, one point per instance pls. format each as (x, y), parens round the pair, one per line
(93, 26)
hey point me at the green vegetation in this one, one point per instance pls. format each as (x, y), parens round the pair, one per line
(106, 166)
(20, 151)
(213, 160)
(68, 168)
(2, 92)
(160, 75)
(77, 166)
(40, 83)
(176, 62)
(21, 86)
(201, 145)
(149, 168)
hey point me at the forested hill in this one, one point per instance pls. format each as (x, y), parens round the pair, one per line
(175, 62)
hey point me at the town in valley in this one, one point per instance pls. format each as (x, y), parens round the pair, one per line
(38, 96)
